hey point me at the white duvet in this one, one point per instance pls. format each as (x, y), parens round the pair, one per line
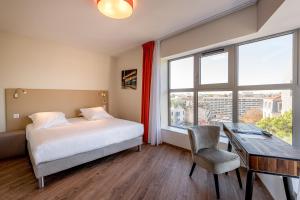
(79, 136)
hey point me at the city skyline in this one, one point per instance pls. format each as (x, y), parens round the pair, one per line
(217, 106)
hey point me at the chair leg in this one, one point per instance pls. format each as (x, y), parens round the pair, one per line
(41, 182)
(217, 185)
(192, 169)
(239, 177)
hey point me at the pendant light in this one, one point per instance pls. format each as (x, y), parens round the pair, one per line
(117, 9)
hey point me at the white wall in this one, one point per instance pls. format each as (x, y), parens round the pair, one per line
(265, 9)
(126, 103)
(176, 137)
(232, 26)
(31, 63)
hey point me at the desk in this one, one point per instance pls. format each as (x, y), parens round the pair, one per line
(269, 155)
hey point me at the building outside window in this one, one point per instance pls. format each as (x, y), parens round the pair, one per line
(272, 113)
(214, 107)
(182, 109)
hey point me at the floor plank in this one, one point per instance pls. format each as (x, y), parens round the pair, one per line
(155, 173)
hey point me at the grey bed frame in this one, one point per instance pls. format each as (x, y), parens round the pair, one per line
(47, 168)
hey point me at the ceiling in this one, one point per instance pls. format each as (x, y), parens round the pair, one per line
(78, 22)
(285, 18)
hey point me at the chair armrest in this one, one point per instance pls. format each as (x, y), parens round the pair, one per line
(12, 144)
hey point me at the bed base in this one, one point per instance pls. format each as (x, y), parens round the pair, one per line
(47, 168)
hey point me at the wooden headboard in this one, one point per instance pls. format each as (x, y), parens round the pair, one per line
(45, 100)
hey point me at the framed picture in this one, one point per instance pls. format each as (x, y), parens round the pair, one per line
(129, 79)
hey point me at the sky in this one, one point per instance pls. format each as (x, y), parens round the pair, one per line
(264, 62)
(214, 69)
(181, 73)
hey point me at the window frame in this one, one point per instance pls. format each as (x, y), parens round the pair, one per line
(232, 85)
(169, 73)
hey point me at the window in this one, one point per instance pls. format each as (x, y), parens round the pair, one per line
(214, 69)
(214, 107)
(270, 110)
(269, 61)
(263, 63)
(181, 97)
(182, 73)
(182, 109)
(251, 82)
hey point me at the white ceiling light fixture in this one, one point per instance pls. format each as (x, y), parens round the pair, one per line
(116, 9)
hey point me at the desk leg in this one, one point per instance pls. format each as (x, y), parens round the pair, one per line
(288, 188)
(229, 148)
(249, 185)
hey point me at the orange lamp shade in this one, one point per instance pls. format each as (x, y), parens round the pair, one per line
(117, 9)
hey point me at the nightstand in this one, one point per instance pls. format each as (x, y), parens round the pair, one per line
(12, 143)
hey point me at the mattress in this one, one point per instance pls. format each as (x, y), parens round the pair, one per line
(79, 136)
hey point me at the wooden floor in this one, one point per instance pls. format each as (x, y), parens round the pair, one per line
(155, 173)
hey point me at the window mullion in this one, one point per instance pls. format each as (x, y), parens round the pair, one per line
(196, 84)
(235, 98)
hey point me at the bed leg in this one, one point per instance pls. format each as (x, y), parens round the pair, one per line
(140, 147)
(41, 182)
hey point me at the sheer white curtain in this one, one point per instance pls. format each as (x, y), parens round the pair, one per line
(154, 118)
(298, 196)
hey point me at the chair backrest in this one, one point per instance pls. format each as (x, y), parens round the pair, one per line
(203, 137)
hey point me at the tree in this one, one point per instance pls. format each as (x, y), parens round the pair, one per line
(280, 126)
(178, 103)
(252, 116)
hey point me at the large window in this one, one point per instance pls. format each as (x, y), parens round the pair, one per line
(252, 82)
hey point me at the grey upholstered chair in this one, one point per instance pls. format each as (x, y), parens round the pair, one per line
(205, 153)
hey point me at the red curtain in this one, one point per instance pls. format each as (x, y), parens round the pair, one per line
(148, 49)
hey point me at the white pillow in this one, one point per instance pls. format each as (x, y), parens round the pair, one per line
(48, 119)
(96, 113)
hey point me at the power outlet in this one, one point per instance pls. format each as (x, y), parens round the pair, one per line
(16, 116)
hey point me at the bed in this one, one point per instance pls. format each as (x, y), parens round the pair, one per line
(55, 149)
(49, 148)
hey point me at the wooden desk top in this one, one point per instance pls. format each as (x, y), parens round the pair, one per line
(261, 153)
(267, 147)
